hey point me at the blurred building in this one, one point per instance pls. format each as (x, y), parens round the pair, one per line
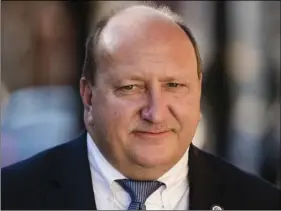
(39, 74)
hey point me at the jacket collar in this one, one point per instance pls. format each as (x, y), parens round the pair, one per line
(71, 184)
(206, 187)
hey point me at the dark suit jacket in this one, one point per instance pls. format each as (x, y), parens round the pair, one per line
(60, 178)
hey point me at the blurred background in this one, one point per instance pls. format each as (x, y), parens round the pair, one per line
(42, 52)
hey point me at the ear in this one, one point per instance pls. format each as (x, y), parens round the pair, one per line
(200, 82)
(200, 78)
(86, 93)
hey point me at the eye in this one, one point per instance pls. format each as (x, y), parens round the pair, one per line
(131, 89)
(173, 85)
(176, 87)
(127, 88)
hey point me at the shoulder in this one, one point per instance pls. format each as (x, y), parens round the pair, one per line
(24, 185)
(247, 189)
(32, 171)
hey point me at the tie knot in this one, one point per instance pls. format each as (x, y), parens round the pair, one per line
(139, 191)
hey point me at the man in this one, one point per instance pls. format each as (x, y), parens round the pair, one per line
(141, 89)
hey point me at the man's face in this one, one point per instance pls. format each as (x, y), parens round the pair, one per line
(145, 104)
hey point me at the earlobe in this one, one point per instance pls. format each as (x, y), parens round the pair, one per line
(86, 93)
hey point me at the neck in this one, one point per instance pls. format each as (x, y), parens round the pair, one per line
(137, 172)
(129, 167)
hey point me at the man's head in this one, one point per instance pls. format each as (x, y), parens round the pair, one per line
(142, 99)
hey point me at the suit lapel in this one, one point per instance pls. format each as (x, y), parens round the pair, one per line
(70, 184)
(205, 181)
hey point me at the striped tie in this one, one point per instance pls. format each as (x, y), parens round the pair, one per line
(139, 191)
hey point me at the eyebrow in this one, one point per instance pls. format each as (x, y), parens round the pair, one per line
(169, 78)
(136, 76)
(131, 78)
(164, 79)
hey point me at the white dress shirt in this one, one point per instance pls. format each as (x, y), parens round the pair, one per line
(109, 195)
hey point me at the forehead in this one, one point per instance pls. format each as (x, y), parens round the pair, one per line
(142, 40)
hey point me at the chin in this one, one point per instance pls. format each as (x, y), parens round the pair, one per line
(156, 159)
(152, 153)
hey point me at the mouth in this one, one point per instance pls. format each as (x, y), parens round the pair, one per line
(152, 133)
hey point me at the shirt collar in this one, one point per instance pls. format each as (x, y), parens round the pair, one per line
(102, 168)
(109, 174)
(177, 173)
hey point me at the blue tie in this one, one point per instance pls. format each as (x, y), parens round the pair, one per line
(139, 191)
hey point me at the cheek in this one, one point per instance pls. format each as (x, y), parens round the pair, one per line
(186, 104)
(117, 114)
(187, 112)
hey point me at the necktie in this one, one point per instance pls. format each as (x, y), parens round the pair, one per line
(139, 191)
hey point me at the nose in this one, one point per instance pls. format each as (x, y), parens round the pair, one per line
(155, 109)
